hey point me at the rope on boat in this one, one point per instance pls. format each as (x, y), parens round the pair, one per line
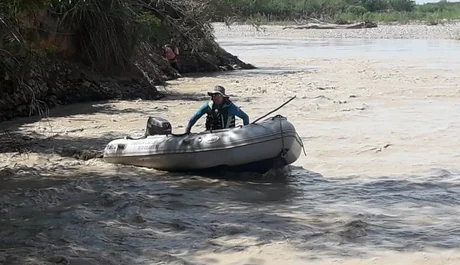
(283, 149)
(301, 143)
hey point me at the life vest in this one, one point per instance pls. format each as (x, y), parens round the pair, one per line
(217, 118)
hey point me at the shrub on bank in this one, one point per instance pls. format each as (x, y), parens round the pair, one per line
(351, 10)
(83, 42)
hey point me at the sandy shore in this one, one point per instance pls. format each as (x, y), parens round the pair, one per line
(363, 121)
(447, 31)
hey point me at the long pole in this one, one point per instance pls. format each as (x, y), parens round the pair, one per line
(284, 104)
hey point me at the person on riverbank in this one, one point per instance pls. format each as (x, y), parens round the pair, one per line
(171, 52)
(221, 112)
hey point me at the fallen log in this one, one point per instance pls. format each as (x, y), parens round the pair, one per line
(360, 25)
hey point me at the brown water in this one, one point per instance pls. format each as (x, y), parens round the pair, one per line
(133, 217)
(379, 184)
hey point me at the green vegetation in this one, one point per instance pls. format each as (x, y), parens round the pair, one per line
(62, 51)
(104, 33)
(401, 11)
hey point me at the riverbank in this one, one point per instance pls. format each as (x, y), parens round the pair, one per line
(412, 31)
(64, 53)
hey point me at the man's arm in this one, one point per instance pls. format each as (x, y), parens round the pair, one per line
(237, 111)
(196, 117)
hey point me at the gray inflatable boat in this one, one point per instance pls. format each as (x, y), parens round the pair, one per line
(254, 147)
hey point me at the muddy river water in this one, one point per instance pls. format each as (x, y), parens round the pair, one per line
(379, 184)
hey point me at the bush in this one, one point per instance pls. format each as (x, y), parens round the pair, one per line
(402, 5)
(356, 10)
(387, 10)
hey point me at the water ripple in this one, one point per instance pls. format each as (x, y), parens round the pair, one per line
(142, 219)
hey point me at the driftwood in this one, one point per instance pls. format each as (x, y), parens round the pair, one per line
(361, 25)
(305, 21)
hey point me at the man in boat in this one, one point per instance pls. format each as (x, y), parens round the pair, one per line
(220, 112)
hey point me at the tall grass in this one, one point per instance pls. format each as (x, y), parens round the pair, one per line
(103, 28)
(107, 32)
(347, 10)
(107, 35)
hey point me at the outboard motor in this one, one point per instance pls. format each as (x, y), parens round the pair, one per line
(157, 126)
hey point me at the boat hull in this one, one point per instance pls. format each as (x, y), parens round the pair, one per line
(255, 147)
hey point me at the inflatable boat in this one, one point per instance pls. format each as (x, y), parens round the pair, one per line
(270, 143)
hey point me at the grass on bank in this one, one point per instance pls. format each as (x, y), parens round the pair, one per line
(104, 33)
(109, 36)
(342, 11)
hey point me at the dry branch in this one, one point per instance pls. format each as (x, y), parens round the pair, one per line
(361, 25)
